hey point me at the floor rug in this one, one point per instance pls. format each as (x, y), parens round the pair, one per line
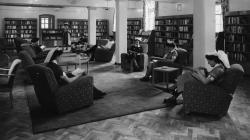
(125, 95)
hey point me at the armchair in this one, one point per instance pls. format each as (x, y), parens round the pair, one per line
(104, 54)
(212, 99)
(7, 80)
(60, 99)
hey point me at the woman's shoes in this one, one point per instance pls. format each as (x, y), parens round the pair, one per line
(145, 79)
(170, 101)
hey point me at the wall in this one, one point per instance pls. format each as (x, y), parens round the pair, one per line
(239, 5)
(34, 12)
(169, 9)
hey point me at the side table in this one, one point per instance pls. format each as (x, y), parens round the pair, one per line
(165, 70)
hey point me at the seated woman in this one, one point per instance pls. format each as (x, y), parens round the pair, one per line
(63, 78)
(217, 60)
(169, 56)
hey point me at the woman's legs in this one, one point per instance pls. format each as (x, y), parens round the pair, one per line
(181, 80)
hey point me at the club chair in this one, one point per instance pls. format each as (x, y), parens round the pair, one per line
(212, 99)
(104, 54)
(7, 80)
(60, 99)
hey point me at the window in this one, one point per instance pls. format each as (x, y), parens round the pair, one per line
(47, 21)
(218, 18)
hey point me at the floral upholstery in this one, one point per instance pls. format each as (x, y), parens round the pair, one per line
(212, 99)
(58, 98)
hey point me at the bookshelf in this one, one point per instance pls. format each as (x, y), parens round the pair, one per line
(179, 28)
(102, 30)
(25, 28)
(77, 27)
(237, 38)
(133, 27)
(52, 37)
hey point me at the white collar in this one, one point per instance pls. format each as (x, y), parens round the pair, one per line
(54, 61)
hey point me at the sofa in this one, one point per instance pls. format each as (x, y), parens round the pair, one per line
(212, 99)
(56, 98)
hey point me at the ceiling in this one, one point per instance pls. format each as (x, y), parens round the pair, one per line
(74, 3)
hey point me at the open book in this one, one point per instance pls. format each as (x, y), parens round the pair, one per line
(78, 71)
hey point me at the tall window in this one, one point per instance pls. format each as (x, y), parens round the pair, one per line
(218, 18)
(47, 21)
(149, 14)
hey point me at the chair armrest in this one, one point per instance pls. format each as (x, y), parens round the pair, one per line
(75, 95)
(203, 98)
(156, 58)
(4, 69)
(6, 74)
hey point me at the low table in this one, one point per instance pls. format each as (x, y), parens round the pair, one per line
(74, 59)
(165, 70)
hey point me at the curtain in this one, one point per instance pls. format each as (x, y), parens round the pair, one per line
(148, 14)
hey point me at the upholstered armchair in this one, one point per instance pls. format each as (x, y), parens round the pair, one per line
(103, 54)
(7, 80)
(212, 99)
(60, 99)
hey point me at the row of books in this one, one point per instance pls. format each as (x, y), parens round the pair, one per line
(133, 27)
(237, 47)
(237, 20)
(53, 38)
(13, 22)
(52, 31)
(185, 28)
(163, 28)
(10, 31)
(237, 29)
(27, 35)
(133, 32)
(165, 34)
(184, 35)
(240, 57)
(101, 30)
(173, 22)
(11, 27)
(101, 23)
(185, 21)
(237, 38)
(134, 23)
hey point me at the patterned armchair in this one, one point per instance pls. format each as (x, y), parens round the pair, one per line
(60, 99)
(212, 99)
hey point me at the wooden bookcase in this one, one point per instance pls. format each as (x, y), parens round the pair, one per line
(52, 37)
(133, 27)
(179, 28)
(102, 30)
(77, 27)
(237, 38)
(25, 28)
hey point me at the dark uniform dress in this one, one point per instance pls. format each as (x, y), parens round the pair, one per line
(214, 75)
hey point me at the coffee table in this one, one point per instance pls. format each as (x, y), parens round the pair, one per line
(75, 60)
(165, 70)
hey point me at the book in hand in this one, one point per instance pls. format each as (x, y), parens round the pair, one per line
(78, 71)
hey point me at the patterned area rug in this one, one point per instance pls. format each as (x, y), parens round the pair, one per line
(125, 95)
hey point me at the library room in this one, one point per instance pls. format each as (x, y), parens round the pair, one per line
(125, 69)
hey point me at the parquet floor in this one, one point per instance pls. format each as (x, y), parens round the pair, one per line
(161, 124)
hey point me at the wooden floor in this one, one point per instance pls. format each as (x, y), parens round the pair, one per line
(161, 124)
